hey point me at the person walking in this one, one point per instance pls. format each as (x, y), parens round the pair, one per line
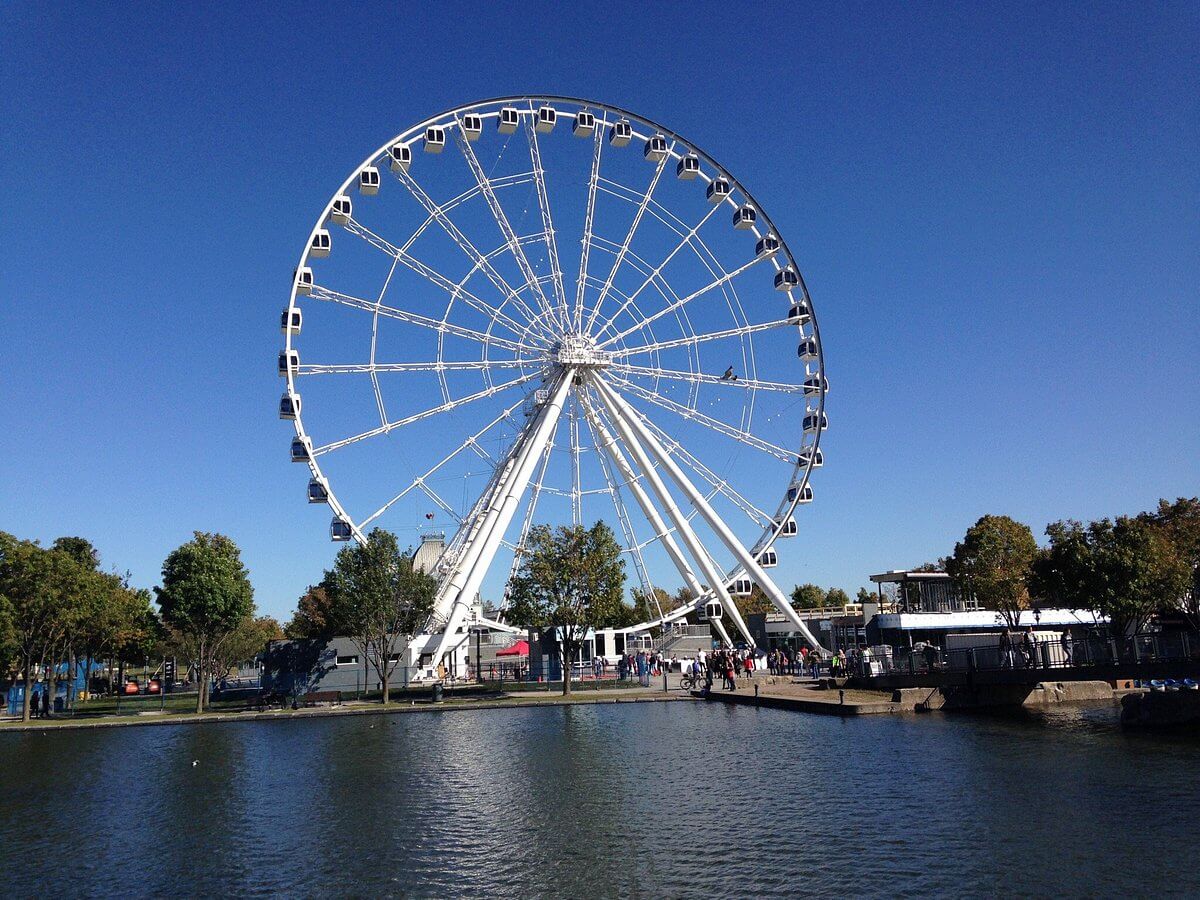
(1007, 660)
(1065, 642)
(1030, 648)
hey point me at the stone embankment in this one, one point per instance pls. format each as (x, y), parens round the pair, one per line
(1161, 709)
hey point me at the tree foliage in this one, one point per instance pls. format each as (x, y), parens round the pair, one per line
(808, 596)
(205, 595)
(570, 579)
(313, 616)
(1179, 523)
(993, 561)
(378, 599)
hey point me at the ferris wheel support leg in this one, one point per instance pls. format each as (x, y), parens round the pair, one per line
(648, 509)
(462, 587)
(682, 527)
(744, 557)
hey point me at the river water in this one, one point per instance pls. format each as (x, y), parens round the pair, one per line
(664, 799)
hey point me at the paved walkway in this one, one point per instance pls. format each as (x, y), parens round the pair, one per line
(805, 695)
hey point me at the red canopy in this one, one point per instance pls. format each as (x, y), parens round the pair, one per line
(520, 648)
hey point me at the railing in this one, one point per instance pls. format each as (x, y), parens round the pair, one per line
(1140, 649)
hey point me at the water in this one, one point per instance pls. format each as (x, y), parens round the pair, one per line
(669, 799)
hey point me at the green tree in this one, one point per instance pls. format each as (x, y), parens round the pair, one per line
(39, 587)
(205, 595)
(865, 595)
(378, 600)
(1179, 521)
(992, 561)
(571, 579)
(249, 639)
(808, 596)
(312, 618)
(758, 602)
(837, 597)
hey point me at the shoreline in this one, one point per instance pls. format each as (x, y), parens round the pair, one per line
(321, 712)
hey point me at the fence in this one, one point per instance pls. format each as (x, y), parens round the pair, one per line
(1060, 654)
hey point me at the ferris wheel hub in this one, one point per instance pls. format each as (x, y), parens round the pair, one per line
(579, 352)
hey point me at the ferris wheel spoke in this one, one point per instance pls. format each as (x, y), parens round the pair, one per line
(441, 281)
(588, 220)
(432, 366)
(704, 378)
(539, 173)
(470, 443)
(719, 485)
(319, 292)
(699, 418)
(464, 244)
(683, 301)
(657, 271)
(637, 221)
(425, 414)
(506, 229)
(701, 338)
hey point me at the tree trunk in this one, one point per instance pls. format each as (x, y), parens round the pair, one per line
(383, 677)
(566, 655)
(28, 690)
(201, 681)
(51, 683)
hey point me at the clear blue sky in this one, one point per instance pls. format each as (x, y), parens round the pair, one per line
(996, 209)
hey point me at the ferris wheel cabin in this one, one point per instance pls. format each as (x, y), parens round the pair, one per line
(289, 406)
(768, 559)
(800, 495)
(585, 124)
(342, 209)
(291, 320)
(767, 246)
(744, 218)
(621, 133)
(547, 118)
(289, 361)
(741, 587)
(340, 530)
(787, 527)
(688, 167)
(321, 244)
(318, 491)
(401, 156)
(807, 350)
(507, 120)
(718, 189)
(655, 149)
(471, 127)
(368, 181)
(435, 139)
(303, 279)
(301, 450)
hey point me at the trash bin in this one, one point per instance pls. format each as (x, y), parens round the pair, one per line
(437, 693)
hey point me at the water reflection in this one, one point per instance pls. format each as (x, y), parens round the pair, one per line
(674, 799)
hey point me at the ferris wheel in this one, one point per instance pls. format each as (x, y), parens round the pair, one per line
(550, 310)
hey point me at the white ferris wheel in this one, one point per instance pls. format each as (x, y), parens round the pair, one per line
(550, 310)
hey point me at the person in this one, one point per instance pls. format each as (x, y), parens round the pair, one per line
(842, 668)
(622, 667)
(815, 658)
(1030, 647)
(45, 703)
(1006, 649)
(749, 664)
(1065, 641)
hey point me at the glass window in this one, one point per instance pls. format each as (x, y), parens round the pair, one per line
(351, 660)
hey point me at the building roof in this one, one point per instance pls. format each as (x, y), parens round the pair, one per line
(897, 575)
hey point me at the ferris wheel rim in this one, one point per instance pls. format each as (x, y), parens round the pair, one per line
(766, 224)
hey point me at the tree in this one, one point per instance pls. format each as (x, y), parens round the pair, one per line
(115, 620)
(865, 595)
(312, 616)
(205, 596)
(38, 587)
(247, 641)
(377, 598)
(1180, 524)
(808, 596)
(993, 562)
(837, 597)
(647, 607)
(758, 602)
(571, 579)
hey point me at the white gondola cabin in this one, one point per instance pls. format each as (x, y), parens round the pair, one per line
(768, 559)
(289, 406)
(655, 149)
(401, 156)
(321, 244)
(741, 587)
(800, 495)
(688, 167)
(317, 491)
(808, 350)
(718, 189)
(620, 134)
(815, 422)
(289, 361)
(818, 459)
(472, 127)
(342, 209)
(301, 451)
(814, 385)
(303, 278)
(585, 124)
(340, 530)
(435, 139)
(507, 120)
(787, 527)
(798, 313)
(368, 181)
(291, 321)
(713, 610)
(547, 118)
(767, 246)
(786, 279)
(744, 218)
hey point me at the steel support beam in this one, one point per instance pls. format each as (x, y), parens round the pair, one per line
(478, 554)
(682, 527)
(634, 422)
